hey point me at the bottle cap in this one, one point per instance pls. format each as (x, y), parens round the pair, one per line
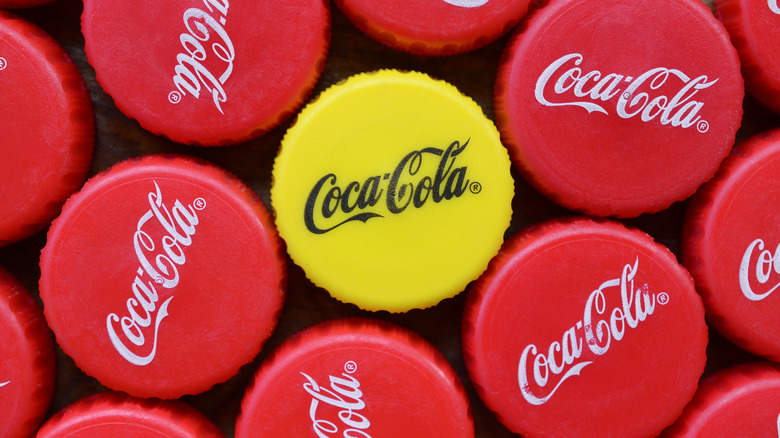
(754, 26)
(619, 107)
(434, 27)
(47, 128)
(28, 366)
(207, 73)
(392, 191)
(740, 401)
(162, 277)
(731, 244)
(111, 414)
(358, 378)
(585, 321)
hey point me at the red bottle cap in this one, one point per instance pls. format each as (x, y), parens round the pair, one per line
(162, 277)
(731, 244)
(47, 128)
(589, 322)
(754, 26)
(112, 414)
(434, 27)
(740, 401)
(358, 378)
(207, 72)
(619, 107)
(28, 365)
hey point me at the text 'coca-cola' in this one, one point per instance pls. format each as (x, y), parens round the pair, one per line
(191, 75)
(405, 186)
(764, 264)
(563, 360)
(639, 96)
(177, 227)
(343, 395)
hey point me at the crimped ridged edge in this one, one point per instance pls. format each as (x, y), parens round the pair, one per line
(82, 119)
(37, 334)
(428, 354)
(759, 84)
(719, 389)
(178, 418)
(694, 233)
(252, 202)
(312, 106)
(524, 241)
(413, 46)
(503, 120)
(283, 114)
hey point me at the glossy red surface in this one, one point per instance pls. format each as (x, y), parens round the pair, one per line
(754, 26)
(47, 127)
(584, 328)
(617, 108)
(162, 276)
(27, 369)
(439, 27)
(208, 73)
(356, 377)
(731, 245)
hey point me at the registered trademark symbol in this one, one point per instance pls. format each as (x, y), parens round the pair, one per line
(199, 204)
(174, 97)
(663, 298)
(3, 64)
(626, 95)
(703, 126)
(159, 280)
(475, 187)
(350, 367)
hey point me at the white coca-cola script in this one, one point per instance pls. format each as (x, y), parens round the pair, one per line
(466, 3)
(773, 6)
(343, 395)
(563, 360)
(4, 383)
(763, 264)
(158, 267)
(640, 97)
(191, 75)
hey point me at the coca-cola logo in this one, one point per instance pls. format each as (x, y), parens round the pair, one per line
(466, 3)
(192, 76)
(762, 266)
(563, 83)
(563, 360)
(159, 267)
(405, 186)
(773, 6)
(342, 400)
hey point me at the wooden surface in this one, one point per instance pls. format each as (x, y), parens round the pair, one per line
(351, 52)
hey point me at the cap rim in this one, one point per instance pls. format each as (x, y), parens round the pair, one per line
(79, 113)
(167, 416)
(246, 204)
(36, 333)
(329, 334)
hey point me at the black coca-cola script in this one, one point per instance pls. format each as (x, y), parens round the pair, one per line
(406, 186)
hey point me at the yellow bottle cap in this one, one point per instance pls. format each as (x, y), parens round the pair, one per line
(392, 191)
